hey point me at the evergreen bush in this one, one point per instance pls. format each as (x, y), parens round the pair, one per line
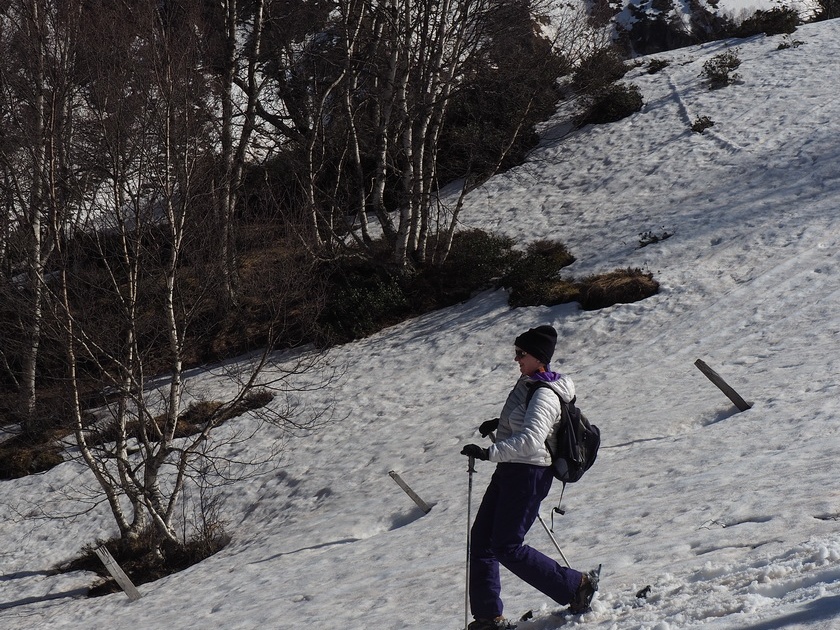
(476, 259)
(535, 277)
(701, 123)
(775, 21)
(614, 103)
(655, 65)
(491, 117)
(364, 296)
(598, 71)
(827, 10)
(362, 302)
(719, 70)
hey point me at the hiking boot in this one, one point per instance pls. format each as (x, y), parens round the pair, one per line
(586, 591)
(499, 623)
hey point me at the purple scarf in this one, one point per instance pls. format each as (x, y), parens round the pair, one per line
(548, 376)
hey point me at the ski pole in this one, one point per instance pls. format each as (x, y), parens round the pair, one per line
(554, 540)
(470, 470)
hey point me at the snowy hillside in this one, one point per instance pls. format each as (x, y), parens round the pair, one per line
(732, 519)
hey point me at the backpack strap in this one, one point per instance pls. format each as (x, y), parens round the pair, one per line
(564, 420)
(533, 386)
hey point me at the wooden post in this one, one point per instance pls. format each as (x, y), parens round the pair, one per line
(117, 573)
(402, 484)
(722, 385)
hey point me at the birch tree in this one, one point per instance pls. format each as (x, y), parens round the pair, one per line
(150, 135)
(380, 80)
(234, 30)
(376, 82)
(37, 38)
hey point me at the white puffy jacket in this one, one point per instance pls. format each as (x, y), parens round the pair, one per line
(522, 432)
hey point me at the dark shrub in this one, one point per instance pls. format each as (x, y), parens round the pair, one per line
(476, 259)
(506, 91)
(545, 257)
(545, 292)
(701, 123)
(654, 27)
(827, 10)
(535, 277)
(598, 71)
(535, 280)
(364, 296)
(655, 65)
(616, 102)
(719, 70)
(776, 21)
(364, 299)
(707, 24)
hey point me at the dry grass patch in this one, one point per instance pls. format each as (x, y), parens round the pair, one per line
(192, 421)
(24, 455)
(621, 286)
(545, 292)
(599, 291)
(19, 457)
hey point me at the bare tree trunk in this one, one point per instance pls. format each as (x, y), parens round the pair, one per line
(227, 247)
(236, 129)
(35, 79)
(351, 86)
(409, 207)
(385, 109)
(429, 45)
(35, 262)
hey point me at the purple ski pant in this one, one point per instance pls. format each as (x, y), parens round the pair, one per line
(508, 509)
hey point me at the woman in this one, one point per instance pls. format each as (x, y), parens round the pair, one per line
(520, 482)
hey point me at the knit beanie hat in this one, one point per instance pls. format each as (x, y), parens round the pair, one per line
(539, 342)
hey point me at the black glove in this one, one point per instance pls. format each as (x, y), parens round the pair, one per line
(488, 426)
(474, 450)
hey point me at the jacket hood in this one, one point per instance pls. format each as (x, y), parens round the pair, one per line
(560, 383)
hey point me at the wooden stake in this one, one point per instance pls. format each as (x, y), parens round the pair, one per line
(402, 484)
(722, 385)
(117, 573)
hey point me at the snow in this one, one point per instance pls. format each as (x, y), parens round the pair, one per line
(730, 517)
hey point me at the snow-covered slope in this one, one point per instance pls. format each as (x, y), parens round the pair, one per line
(731, 518)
